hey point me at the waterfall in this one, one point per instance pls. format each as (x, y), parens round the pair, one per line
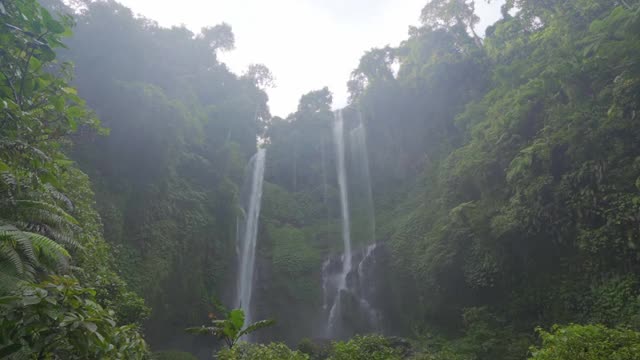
(338, 133)
(362, 179)
(247, 238)
(346, 280)
(338, 136)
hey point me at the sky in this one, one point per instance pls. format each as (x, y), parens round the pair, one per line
(307, 44)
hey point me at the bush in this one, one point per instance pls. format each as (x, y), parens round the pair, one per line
(60, 319)
(372, 347)
(588, 342)
(174, 355)
(317, 350)
(274, 351)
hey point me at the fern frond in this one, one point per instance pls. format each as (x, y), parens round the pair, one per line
(60, 197)
(61, 236)
(24, 244)
(22, 148)
(9, 253)
(55, 213)
(47, 247)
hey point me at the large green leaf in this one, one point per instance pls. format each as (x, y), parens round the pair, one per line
(256, 326)
(236, 320)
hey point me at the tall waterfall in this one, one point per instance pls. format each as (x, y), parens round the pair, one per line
(346, 281)
(248, 234)
(338, 136)
(362, 194)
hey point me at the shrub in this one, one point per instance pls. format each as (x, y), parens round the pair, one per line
(274, 351)
(174, 355)
(588, 342)
(60, 319)
(372, 347)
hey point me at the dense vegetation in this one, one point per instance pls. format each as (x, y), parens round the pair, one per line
(505, 176)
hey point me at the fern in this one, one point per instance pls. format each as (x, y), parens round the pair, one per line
(35, 232)
(9, 253)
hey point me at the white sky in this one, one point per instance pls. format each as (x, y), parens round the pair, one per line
(307, 44)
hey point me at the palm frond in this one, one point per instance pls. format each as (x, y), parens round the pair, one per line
(204, 330)
(256, 326)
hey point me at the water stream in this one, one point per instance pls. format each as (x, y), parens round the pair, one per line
(248, 234)
(346, 281)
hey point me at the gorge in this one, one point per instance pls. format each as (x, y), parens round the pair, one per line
(478, 197)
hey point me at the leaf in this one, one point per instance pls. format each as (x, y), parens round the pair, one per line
(58, 103)
(237, 318)
(257, 326)
(13, 348)
(90, 326)
(8, 299)
(53, 25)
(31, 300)
(70, 90)
(202, 330)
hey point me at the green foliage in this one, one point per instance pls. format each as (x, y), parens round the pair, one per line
(292, 255)
(533, 197)
(505, 172)
(167, 177)
(46, 212)
(371, 347)
(588, 342)
(39, 113)
(231, 329)
(274, 351)
(314, 350)
(59, 319)
(173, 355)
(616, 301)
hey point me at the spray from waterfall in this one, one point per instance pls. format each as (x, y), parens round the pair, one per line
(247, 237)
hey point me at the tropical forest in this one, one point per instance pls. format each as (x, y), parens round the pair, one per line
(475, 197)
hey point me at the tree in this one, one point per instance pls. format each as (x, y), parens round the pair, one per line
(39, 113)
(219, 37)
(260, 75)
(451, 13)
(376, 65)
(230, 330)
(317, 101)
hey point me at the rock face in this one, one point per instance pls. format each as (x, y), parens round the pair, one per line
(352, 309)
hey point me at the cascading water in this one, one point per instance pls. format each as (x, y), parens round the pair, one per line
(362, 192)
(247, 237)
(348, 289)
(338, 135)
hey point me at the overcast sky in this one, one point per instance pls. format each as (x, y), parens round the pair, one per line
(307, 44)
